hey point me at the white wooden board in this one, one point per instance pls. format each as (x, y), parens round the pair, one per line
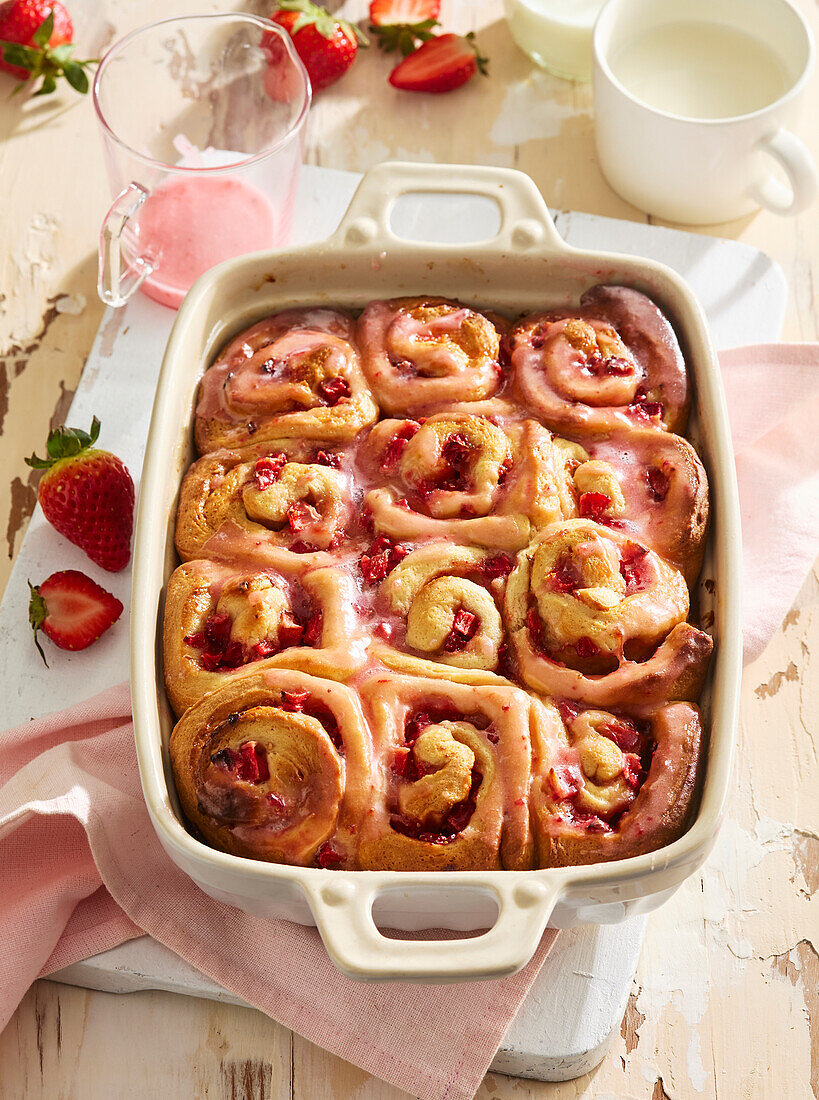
(576, 1005)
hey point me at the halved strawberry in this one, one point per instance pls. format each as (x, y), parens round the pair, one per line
(87, 495)
(71, 609)
(439, 65)
(403, 24)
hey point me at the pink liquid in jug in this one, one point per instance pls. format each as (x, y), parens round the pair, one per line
(189, 224)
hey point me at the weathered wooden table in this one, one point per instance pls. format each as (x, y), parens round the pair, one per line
(725, 1000)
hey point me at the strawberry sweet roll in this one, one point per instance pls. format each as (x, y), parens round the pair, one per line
(265, 503)
(220, 619)
(295, 374)
(436, 612)
(275, 766)
(595, 616)
(609, 786)
(612, 362)
(647, 484)
(463, 477)
(451, 781)
(420, 354)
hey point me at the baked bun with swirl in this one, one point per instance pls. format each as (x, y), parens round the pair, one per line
(437, 612)
(276, 766)
(650, 485)
(296, 374)
(463, 477)
(220, 619)
(595, 616)
(608, 786)
(451, 785)
(264, 503)
(420, 354)
(614, 362)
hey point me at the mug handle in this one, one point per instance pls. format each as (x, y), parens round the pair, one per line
(118, 275)
(797, 163)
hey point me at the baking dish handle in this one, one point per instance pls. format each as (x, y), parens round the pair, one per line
(344, 914)
(525, 219)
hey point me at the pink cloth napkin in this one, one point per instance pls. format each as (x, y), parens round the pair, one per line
(82, 869)
(72, 818)
(772, 391)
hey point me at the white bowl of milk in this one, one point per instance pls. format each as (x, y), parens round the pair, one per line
(694, 105)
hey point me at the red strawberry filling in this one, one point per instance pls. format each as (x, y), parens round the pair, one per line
(538, 339)
(248, 762)
(567, 711)
(645, 409)
(658, 481)
(452, 823)
(276, 802)
(565, 576)
(403, 503)
(632, 771)
(594, 506)
(465, 625)
(327, 458)
(382, 558)
(269, 366)
(294, 700)
(585, 647)
(633, 568)
(329, 857)
(300, 515)
(218, 652)
(333, 390)
(268, 470)
(612, 365)
(565, 780)
(395, 448)
(504, 469)
(384, 631)
(535, 625)
(312, 632)
(456, 454)
(501, 565)
(623, 733)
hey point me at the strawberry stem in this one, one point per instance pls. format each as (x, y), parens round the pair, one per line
(37, 612)
(321, 19)
(65, 443)
(40, 60)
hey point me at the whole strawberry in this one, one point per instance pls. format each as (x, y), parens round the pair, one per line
(326, 45)
(87, 495)
(35, 41)
(71, 609)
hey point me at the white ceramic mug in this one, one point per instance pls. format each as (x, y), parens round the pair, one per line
(688, 150)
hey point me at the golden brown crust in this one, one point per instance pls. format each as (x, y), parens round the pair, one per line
(420, 354)
(310, 624)
(489, 729)
(295, 374)
(275, 765)
(656, 815)
(229, 511)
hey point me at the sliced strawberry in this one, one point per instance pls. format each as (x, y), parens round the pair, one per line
(439, 65)
(403, 24)
(71, 609)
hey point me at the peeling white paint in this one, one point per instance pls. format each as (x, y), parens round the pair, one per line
(529, 112)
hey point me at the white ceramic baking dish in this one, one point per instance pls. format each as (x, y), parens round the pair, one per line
(525, 267)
